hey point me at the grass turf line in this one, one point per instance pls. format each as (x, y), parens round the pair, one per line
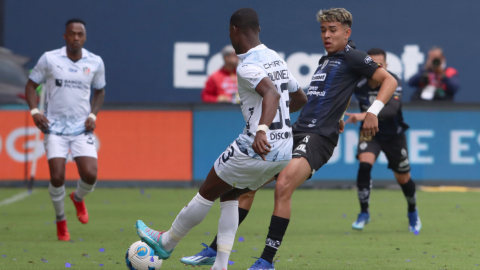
(319, 235)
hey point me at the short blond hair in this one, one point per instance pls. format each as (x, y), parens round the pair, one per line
(340, 15)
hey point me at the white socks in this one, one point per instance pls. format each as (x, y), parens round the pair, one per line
(57, 195)
(82, 190)
(227, 228)
(190, 216)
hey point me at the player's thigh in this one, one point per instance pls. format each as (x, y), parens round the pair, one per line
(368, 149)
(87, 167)
(56, 146)
(213, 187)
(296, 173)
(397, 154)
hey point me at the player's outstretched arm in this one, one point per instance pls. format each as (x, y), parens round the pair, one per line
(97, 102)
(298, 99)
(31, 95)
(389, 84)
(271, 97)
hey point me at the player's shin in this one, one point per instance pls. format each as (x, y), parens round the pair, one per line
(276, 231)
(364, 185)
(190, 216)
(409, 191)
(57, 194)
(82, 190)
(227, 227)
(242, 214)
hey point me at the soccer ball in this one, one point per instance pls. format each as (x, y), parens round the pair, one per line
(141, 257)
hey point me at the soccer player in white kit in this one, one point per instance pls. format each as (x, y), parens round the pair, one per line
(68, 122)
(263, 149)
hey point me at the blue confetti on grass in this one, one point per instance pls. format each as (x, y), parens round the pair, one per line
(150, 223)
(347, 233)
(25, 250)
(344, 215)
(416, 232)
(44, 260)
(4, 255)
(231, 262)
(100, 264)
(408, 260)
(102, 250)
(142, 191)
(121, 230)
(68, 265)
(433, 256)
(80, 239)
(234, 250)
(241, 239)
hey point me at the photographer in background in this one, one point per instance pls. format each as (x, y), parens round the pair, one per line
(435, 81)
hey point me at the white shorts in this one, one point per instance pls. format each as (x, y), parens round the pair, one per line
(242, 171)
(57, 146)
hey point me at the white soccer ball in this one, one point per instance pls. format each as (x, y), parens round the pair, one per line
(141, 257)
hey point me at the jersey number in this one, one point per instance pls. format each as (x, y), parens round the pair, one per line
(279, 124)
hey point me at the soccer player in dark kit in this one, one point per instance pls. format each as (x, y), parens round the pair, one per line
(390, 139)
(316, 131)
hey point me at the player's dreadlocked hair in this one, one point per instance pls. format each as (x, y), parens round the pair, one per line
(340, 15)
(245, 18)
(75, 20)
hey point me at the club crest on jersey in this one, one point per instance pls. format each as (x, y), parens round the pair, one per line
(86, 70)
(324, 64)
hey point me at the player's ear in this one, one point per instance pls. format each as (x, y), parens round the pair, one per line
(259, 29)
(348, 32)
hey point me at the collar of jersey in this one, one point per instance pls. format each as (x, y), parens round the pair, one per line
(64, 52)
(258, 48)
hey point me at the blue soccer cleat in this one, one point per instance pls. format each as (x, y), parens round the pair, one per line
(153, 239)
(362, 220)
(205, 257)
(414, 223)
(261, 264)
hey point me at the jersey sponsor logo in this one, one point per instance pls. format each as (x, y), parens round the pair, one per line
(404, 163)
(404, 152)
(273, 243)
(86, 71)
(319, 77)
(311, 125)
(60, 67)
(275, 63)
(312, 88)
(58, 82)
(347, 48)
(72, 70)
(315, 93)
(279, 75)
(305, 140)
(75, 84)
(279, 135)
(368, 59)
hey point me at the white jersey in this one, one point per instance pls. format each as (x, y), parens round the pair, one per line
(67, 86)
(258, 63)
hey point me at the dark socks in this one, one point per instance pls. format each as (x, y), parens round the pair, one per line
(276, 231)
(242, 214)
(364, 185)
(409, 192)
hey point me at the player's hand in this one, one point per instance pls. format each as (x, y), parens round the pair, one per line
(355, 117)
(370, 125)
(341, 126)
(260, 144)
(90, 124)
(40, 121)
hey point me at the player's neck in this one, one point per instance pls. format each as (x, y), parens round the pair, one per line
(74, 56)
(249, 43)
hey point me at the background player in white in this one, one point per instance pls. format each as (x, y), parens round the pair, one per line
(261, 151)
(68, 121)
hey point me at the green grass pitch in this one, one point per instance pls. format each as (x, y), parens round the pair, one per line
(319, 236)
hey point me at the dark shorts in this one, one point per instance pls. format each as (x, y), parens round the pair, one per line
(395, 149)
(317, 149)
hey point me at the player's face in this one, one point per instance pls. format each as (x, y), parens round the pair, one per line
(380, 60)
(75, 36)
(233, 32)
(334, 36)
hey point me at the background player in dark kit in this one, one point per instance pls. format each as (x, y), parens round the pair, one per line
(390, 139)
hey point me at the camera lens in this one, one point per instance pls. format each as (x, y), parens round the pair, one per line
(436, 62)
